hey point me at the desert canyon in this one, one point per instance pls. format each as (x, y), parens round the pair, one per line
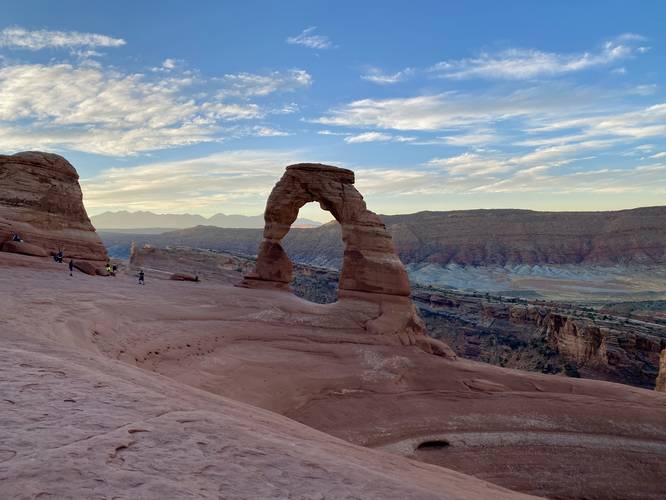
(232, 386)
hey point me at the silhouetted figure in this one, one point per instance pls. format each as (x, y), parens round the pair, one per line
(16, 237)
(141, 276)
(71, 267)
(59, 256)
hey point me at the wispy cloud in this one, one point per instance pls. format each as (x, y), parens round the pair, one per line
(250, 84)
(238, 181)
(455, 109)
(376, 75)
(21, 38)
(376, 137)
(522, 64)
(308, 38)
(101, 110)
(470, 164)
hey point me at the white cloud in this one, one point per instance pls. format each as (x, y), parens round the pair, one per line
(330, 132)
(309, 39)
(521, 64)
(100, 110)
(476, 138)
(249, 84)
(369, 137)
(646, 89)
(376, 137)
(261, 131)
(453, 109)
(470, 164)
(659, 155)
(376, 75)
(21, 38)
(235, 181)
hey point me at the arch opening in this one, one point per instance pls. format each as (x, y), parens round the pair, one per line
(316, 254)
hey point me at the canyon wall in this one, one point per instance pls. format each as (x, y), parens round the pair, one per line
(468, 237)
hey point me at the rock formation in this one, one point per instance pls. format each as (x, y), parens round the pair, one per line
(41, 200)
(371, 271)
(661, 379)
(546, 336)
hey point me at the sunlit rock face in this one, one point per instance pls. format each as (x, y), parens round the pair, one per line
(41, 200)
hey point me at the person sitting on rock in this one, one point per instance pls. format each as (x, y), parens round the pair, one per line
(59, 256)
(108, 267)
(16, 237)
(141, 276)
(71, 267)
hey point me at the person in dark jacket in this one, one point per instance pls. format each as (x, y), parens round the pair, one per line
(141, 276)
(71, 267)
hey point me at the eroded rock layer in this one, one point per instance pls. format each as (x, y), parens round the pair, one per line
(41, 201)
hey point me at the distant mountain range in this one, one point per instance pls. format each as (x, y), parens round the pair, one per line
(153, 223)
(464, 237)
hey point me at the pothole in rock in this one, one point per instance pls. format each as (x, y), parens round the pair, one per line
(433, 445)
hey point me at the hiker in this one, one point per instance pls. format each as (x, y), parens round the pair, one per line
(108, 267)
(16, 237)
(114, 270)
(71, 267)
(59, 256)
(141, 276)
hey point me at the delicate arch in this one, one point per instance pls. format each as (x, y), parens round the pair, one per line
(370, 263)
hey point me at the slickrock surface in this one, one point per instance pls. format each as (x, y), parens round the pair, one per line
(544, 435)
(618, 343)
(76, 423)
(371, 272)
(41, 200)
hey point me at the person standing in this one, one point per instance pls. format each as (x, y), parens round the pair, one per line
(71, 267)
(141, 276)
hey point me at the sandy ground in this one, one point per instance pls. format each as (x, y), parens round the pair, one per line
(115, 389)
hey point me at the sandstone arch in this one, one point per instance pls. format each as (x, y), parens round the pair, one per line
(371, 270)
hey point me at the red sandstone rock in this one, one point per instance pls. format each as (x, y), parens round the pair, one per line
(88, 268)
(371, 270)
(661, 379)
(41, 200)
(23, 248)
(183, 277)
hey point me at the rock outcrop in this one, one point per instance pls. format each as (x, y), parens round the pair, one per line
(41, 200)
(371, 270)
(661, 379)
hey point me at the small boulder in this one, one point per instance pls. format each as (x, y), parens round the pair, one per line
(87, 267)
(183, 277)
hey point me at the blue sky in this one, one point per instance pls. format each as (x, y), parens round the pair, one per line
(198, 106)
